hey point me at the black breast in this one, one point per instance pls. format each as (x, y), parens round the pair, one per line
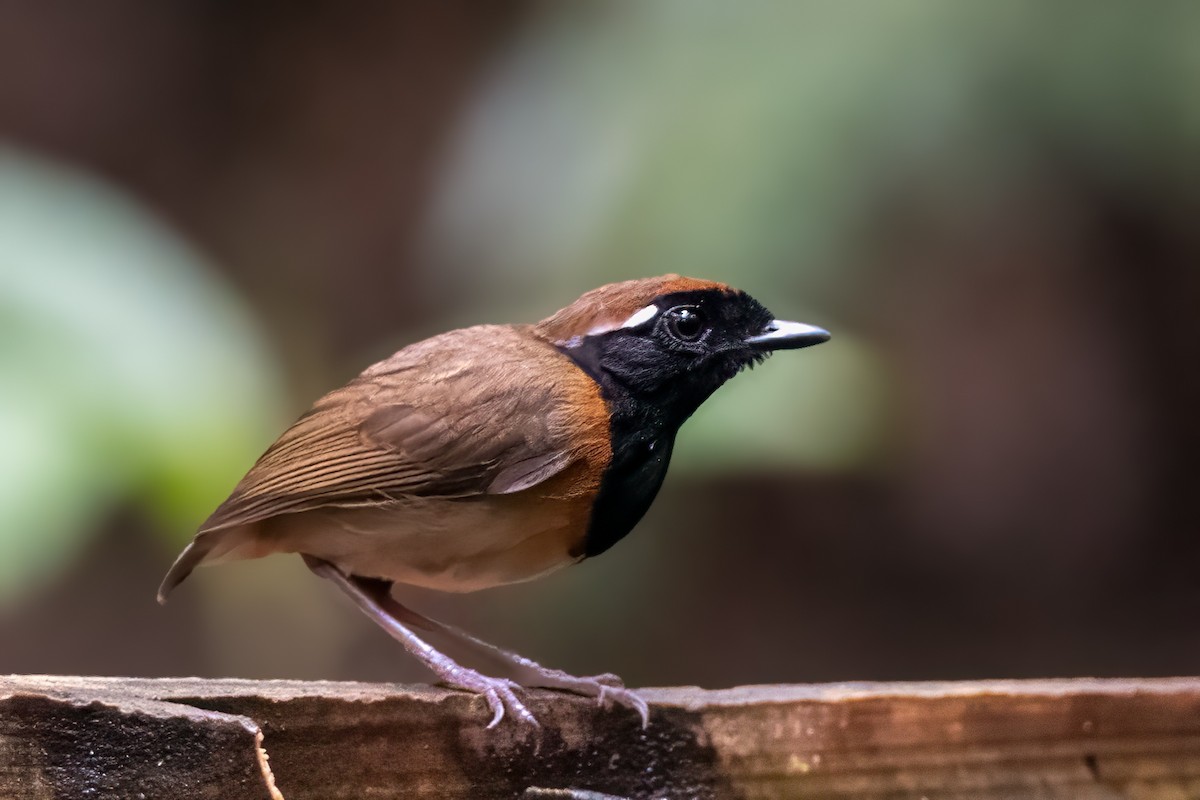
(629, 485)
(642, 430)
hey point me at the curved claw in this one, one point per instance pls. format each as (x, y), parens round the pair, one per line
(499, 694)
(501, 697)
(497, 706)
(620, 695)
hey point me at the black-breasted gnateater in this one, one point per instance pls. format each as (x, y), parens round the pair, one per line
(491, 455)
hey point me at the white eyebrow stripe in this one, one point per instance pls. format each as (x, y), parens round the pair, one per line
(639, 317)
(644, 315)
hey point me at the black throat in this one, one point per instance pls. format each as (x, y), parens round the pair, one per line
(643, 434)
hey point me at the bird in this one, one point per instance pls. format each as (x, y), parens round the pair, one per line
(491, 455)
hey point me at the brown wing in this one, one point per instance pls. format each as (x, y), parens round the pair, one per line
(475, 411)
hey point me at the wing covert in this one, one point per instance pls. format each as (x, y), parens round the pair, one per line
(434, 420)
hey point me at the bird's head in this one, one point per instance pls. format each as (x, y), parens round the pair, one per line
(670, 341)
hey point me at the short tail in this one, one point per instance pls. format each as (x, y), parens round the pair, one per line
(211, 547)
(188, 560)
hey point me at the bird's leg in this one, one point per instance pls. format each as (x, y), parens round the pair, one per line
(373, 598)
(606, 688)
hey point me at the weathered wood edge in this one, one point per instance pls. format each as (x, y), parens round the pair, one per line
(681, 696)
(1055, 738)
(77, 738)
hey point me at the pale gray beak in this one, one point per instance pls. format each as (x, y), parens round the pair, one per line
(781, 335)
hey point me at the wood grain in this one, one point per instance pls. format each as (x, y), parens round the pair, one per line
(64, 737)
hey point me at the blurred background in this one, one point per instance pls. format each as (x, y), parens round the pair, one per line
(212, 213)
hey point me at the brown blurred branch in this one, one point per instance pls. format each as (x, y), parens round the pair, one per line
(184, 738)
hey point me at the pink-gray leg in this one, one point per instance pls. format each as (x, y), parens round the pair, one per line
(369, 596)
(607, 689)
(375, 600)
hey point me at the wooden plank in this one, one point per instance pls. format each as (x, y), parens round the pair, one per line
(102, 740)
(183, 738)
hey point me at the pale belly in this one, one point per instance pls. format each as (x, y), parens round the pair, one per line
(449, 545)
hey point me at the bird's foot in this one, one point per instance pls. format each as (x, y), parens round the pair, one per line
(608, 689)
(498, 692)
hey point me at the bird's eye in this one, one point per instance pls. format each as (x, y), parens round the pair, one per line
(686, 323)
